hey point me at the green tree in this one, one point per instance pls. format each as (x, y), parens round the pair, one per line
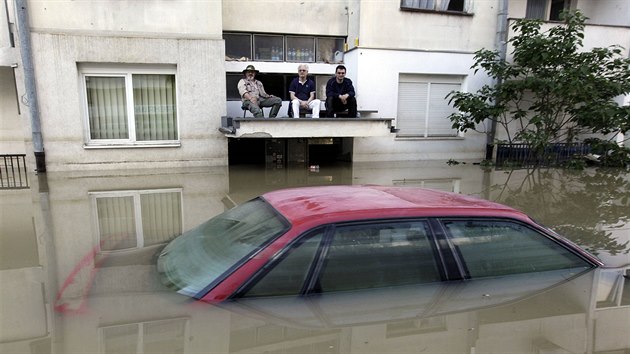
(551, 91)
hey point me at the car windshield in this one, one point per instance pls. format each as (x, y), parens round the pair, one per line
(204, 254)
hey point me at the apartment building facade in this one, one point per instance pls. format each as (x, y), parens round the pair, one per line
(145, 85)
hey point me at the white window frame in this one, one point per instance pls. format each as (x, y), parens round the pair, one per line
(429, 79)
(126, 72)
(140, 338)
(137, 213)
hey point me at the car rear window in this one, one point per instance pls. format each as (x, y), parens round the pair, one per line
(207, 253)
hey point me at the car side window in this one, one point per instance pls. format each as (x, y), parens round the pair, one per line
(288, 275)
(378, 255)
(494, 248)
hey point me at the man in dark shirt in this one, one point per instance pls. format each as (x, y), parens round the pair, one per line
(340, 94)
(302, 94)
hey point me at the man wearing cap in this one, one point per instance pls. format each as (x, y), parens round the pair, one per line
(254, 96)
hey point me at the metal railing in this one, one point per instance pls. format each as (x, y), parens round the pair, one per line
(523, 155)
(13, 173)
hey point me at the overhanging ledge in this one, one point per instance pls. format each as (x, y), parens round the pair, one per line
(234, 127)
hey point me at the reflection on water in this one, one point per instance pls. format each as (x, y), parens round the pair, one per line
(78, 275)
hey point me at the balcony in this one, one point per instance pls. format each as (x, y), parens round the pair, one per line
(249, 127)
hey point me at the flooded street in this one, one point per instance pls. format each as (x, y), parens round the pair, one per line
(77, 268)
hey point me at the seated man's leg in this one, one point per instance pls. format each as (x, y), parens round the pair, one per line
(274, 102)
(330, 107)
(295, 106)
(256, 111)
(352, 107)
(314, 106)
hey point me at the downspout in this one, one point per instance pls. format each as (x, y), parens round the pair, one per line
(24, 39)
(501, 45)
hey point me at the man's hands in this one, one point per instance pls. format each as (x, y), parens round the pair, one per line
(344, 98)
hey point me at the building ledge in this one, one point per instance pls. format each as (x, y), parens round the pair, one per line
(234, 127)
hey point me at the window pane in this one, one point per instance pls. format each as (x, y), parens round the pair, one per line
(107, 107)
(154, 107)
(330, 50)
(536, 9)
(161, 217)
(120, 339)
(379, 255)
(301, 49)
(238, 46)
(116, 223)
(288, 276)
(268, 48)
(492, 248)
(419, 4)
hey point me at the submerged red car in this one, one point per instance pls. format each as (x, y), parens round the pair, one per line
(318, 240)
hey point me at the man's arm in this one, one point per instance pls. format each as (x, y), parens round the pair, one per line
(242, 90)
(261, 90)
(330, 89)
(293, 89)
(349, 87)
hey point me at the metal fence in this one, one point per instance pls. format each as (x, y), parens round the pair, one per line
(523, 155)
(13, 172)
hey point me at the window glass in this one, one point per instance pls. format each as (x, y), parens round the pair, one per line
(379, 255)
(145, 101)
(301, 49)
(493, 248)
(154, 107)
(202, 255)
(268, 47)
(107, 107)
(419, 4)
(288, 276)
(330, 50)
(137, 219)
(238, 46)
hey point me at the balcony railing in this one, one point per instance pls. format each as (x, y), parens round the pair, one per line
(13, 173)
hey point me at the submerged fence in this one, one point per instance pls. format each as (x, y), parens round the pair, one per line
(13, 172)
(524, 156)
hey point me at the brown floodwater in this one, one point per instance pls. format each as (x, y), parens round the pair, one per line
(77, 268)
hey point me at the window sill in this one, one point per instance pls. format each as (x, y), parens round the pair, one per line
(439, 12)
(95, 146)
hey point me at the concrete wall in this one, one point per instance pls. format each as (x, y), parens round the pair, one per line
(378, 89)
(309, 17)
(12, 124)
(384, 25)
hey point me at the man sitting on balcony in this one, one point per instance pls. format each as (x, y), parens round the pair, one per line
(340, 94)
(302, 92)
(254, 96)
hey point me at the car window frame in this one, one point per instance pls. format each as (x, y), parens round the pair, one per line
(310, 285)
(461, 262)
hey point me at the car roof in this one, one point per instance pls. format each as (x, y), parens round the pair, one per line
(355, 202)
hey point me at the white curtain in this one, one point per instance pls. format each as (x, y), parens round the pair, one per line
(419, 4)
(154, 107)
(161, 217)
(107, 107)
(117, 223)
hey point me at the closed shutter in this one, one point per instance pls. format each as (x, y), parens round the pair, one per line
(439, 110)
(412, 108)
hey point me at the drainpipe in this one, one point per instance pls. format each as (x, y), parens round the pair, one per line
(501, 45)
(24, 38)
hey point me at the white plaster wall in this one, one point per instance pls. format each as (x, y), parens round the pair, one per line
(376, 81)
(122, 17)
(11, 122)
(310, 17)
(384, 25)
(200, 91)
(606, 12)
